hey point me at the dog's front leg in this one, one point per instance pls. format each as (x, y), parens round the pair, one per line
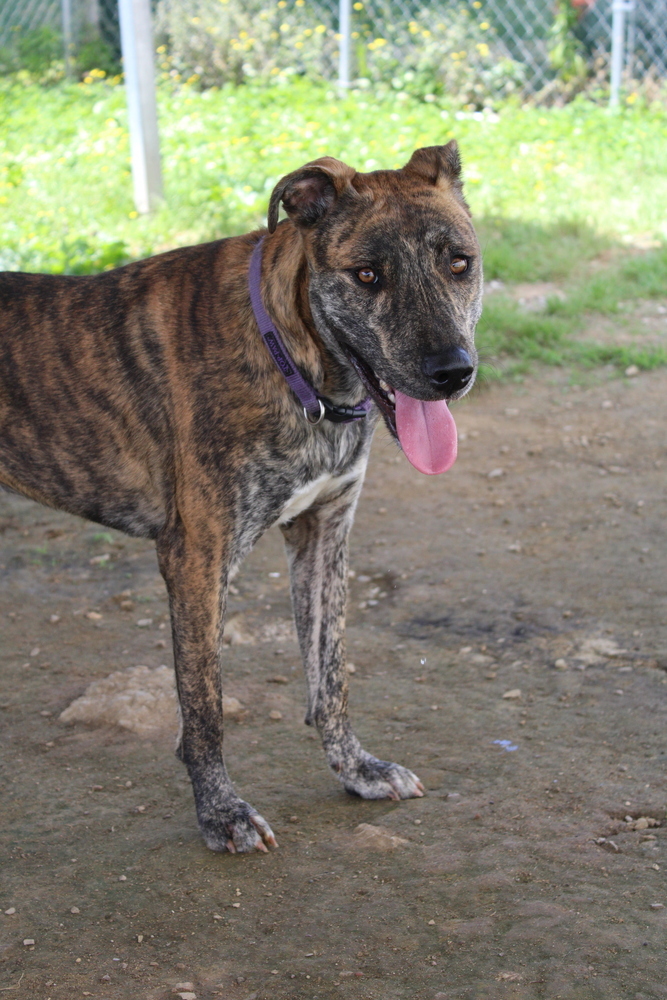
(316, 543)
(194, 567)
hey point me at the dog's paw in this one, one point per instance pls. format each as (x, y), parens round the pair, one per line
(371, 778)
(239, 830)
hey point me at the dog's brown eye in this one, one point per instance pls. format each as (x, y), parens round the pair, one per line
(458, 265)
(366, 275)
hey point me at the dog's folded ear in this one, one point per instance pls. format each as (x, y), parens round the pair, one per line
(436, 163)
(308, 193)
(439, 165)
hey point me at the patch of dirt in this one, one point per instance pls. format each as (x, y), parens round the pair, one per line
(641, 324)
(534, 296)
(534, 865)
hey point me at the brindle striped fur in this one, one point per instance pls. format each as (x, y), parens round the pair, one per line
(145, 400)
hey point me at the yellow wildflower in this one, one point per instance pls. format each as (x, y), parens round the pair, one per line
(482, 48)
(358, 6)
(320, 29)
(485, 25)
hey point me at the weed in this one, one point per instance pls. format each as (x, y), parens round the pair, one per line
(100, 537)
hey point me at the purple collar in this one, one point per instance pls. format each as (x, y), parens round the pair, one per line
(315, 407)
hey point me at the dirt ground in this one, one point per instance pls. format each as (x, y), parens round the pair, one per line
(535, 568)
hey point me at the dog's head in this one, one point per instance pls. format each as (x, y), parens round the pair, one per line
(395, 279)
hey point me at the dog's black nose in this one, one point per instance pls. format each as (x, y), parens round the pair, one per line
(451, 369)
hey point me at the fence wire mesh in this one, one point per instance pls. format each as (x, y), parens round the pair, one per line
(88, 18)
(30, 15)
(386, 35)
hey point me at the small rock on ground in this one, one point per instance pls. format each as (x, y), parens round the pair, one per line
(140, 699)
(376, 838)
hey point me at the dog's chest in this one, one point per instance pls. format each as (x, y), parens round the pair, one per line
(317, 490)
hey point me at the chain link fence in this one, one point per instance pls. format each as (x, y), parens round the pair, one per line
(472, 47)
(36, 32)
(22, 16)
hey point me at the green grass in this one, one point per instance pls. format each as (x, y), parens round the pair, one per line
(636, 277)
(517, 250)
(549, 189)
(555, 335)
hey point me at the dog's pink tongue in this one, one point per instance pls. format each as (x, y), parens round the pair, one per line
(427, 433)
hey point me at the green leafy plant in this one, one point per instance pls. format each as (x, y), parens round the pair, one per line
(458, 59)
(455, 58)
(213, 42)
(9, 60)
(566, 52)
(39, 48)
(95, 53)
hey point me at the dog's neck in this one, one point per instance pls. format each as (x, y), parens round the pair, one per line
(285, 280)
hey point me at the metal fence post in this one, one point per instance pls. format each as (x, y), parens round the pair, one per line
(631, 42)
(136, 35)
(618, 9)
(344, 19)
(66, 12)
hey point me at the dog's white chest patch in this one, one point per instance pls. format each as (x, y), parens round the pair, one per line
(317, 489)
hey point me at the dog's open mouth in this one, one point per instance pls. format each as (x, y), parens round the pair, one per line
(382, 395)
(424, 429)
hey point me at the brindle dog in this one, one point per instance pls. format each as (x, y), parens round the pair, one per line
(145, 399)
